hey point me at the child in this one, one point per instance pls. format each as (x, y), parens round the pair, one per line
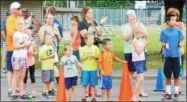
(19, 59)
(46, 55)
(172, 39)
(75, 36)
(105, 64)
(138, 58)
(89, 55)
(31, 61)
(69, 63)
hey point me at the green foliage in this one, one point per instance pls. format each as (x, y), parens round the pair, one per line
(109, 3)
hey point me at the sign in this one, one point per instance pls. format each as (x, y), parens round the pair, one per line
(140, 4)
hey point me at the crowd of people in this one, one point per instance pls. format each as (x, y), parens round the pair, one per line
(83, 55)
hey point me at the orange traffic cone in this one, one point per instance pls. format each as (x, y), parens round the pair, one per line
(61, 96)
(126, 87)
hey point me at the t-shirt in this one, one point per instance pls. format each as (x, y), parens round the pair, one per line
(45, 51)
(20, 38)
(76, 43)
(11, 28)
(69, 65)
(135, 55)
(172, 38)
(28, 22)
(3, 25)
(85, 25)
(88, 51)
(106, 59)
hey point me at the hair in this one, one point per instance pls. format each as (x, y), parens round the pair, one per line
(174, 12)
(76, 18)
(130, 13)
(87, 36)
(137, 30)
(47, 14)
(104, 42)
(84, 12)
(51, 10)
(66, 47)
(168, 17)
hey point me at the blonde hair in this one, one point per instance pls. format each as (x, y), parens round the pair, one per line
(137, 30)
(67, 46)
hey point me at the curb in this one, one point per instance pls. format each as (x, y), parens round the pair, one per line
(115, 77)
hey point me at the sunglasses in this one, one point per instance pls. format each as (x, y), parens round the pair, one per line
(19, 8)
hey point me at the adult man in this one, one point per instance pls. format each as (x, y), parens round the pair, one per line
(127, 32)
(11, 28)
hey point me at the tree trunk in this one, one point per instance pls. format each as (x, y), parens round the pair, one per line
(179, 4)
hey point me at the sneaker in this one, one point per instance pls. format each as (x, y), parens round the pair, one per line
(93, 100)
(23, 97)
(181, 93)
(143, 94)
(9, 93)
(176, 97)
(167, 97)
(83, 100)
(52, 93)
(45, 95)
(14, 98)
(34, 94)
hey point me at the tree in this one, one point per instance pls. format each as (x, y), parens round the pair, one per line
(179, 4)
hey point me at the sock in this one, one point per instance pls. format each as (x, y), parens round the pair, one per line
(177, 89)
(168, 89)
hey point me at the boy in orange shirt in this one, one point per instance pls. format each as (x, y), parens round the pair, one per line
(105, 64)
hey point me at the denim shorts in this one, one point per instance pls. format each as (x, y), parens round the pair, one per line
(139, 66)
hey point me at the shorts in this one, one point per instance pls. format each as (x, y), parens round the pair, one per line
(9, 60)
(106, 82)
(56, 72)
(89, 78)
(19, 63)
(139, 66)
(128, 58)
(70, 81)
(47, 76)
(172, 66)
(76, 53)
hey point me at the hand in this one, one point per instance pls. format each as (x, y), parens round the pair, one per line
(91, 29)
(147, 43)
(124, 61)
(103, 20)
(181, 44)
(52, 56)
(28, 43)
(102, 72)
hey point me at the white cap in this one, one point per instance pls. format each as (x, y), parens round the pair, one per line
(14, 5)
(130, 13)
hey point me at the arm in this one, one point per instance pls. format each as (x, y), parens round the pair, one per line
(99, 30)
(117, 59)
(41, 35)
(74, 34)
(36, 23)
(100, 63)
(125, 35)
(48, 57)
(3, 34)
(57, 33)
(137, 48)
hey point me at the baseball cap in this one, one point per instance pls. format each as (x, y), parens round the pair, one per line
(15, 5)
(130, 13)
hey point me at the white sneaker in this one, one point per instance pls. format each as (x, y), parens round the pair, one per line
(143, 94)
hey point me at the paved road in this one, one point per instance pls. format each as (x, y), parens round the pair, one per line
(149, 86)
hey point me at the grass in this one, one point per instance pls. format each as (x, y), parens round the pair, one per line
(154, 59)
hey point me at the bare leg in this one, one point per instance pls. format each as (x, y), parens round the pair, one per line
(68, 95)
(103, 94)
(84, 92)
(73, 93)
(108, 95)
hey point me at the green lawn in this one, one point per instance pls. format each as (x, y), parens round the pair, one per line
(153, 55)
